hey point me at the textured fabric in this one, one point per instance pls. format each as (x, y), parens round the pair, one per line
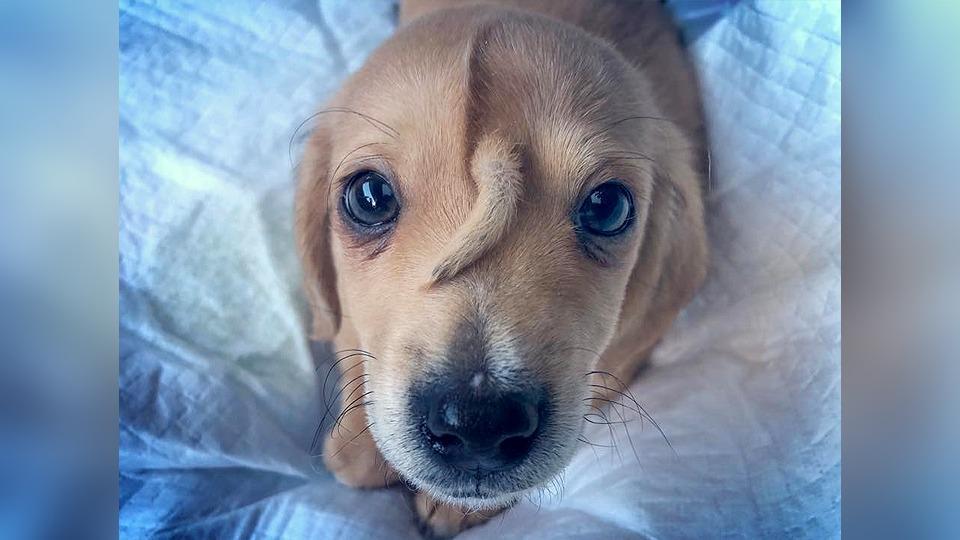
(218, 395)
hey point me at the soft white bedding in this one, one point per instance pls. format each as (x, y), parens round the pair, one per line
(218, 399)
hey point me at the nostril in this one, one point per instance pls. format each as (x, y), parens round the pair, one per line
(514, 448)
(447, 442)
(441, 439)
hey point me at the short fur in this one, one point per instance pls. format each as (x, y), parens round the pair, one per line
(493, 120)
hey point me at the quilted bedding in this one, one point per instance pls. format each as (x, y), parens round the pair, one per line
(218, 396)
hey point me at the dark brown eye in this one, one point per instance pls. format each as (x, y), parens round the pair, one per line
(369, 199)
(607, 210)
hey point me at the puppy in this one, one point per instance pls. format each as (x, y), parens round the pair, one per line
(498, 216)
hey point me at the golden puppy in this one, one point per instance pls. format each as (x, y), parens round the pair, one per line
(504, 201)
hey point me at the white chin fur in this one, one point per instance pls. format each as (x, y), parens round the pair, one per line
(470, 503)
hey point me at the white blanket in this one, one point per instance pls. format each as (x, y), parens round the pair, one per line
(218, 396)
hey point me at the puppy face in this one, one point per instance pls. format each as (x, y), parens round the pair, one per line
(483, 206)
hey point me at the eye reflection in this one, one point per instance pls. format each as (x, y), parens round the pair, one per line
(607, 210)
(369, 199)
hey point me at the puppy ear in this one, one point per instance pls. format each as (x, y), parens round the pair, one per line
(313, 236)
(671, 266)
(685, 254)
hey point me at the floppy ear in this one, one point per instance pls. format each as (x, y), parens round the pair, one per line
(670, 268)
(312, 226)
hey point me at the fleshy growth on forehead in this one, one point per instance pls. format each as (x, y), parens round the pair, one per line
(496, 170)
(493, 165)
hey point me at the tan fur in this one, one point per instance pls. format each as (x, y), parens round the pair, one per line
(491, 123)
(497, 172)
(443, 520)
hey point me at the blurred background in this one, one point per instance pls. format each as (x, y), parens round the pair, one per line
(58, 272)
(901, 269)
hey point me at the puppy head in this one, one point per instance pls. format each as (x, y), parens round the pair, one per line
(487, 207)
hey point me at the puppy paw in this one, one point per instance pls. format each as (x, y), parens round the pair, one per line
(441, 520)
(355, 460)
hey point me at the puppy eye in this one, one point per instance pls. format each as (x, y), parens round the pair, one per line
(607, 210)
(369, 199)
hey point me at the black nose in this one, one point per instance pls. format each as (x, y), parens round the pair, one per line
(490, 430)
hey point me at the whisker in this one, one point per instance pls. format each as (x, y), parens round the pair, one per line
(335, 364)
(629, 437)
(606, 423)
(355, 404)
(355, 437)
(355, 388)
(345, 399)
(384, 128)
(593, 444)
(352, 152)
(323, 389)
(316, 437)
(327, 402)
(640, 410)
(614, 402)
(613, 438)
(326, 378)
(352, 350)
